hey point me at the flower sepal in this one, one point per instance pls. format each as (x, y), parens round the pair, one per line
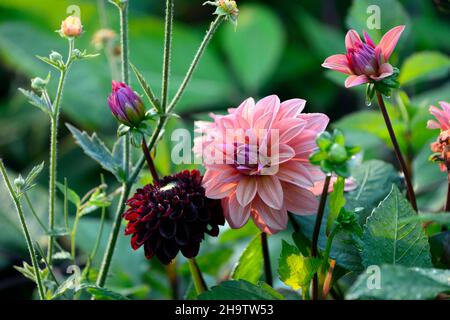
(348, 221)
(333, 156)
(385, 86)
(226, 8)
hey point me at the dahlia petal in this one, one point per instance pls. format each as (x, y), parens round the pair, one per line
(235, 214)
(268, 219)
(289, 128)
(338, 62)
(431, 124)
(299, 200)
(295, 173)
(353, 81)
(389, 41)
(368, 39)
(246, 190)
(246, 109)
(270, 104)
(270, 191)
(351, 39)
(291, 108)
(315, 121)
(385, 71)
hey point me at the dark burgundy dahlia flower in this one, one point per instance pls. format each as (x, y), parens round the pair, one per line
(172, 215)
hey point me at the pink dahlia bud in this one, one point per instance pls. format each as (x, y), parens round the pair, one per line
(365, 62)
(442, 117)
(71, 27)
(126, 105)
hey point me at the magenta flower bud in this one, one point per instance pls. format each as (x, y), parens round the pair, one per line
(126, 105)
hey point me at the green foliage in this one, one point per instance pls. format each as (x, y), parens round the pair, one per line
(295, 270)
(250, 264)
(333, 155)
(240, 290)
(423, 66)
(388, 240)
(336, 203)
(401, 283)
(96, 149)
(254, 48)
(24, 185)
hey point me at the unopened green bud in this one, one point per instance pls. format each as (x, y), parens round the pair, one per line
(337, 153)
(19, 182)
(39, 84)
(56, 57)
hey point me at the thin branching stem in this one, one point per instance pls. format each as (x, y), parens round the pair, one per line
(26, 233)
(167, 53)
(197, 277)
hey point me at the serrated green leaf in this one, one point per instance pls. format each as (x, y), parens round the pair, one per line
(422, 66)
(240, 290)
(388, 240)
(96, 149)
(401, 283)
(36, 101)
(442, 218)
(250, 264)
(101, 293)
(295, 270)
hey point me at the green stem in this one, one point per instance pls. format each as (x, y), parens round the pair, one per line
(266, 258)
(447, 205)
(197, 278)
(53, 150)
(316, 233)
(326, 255)
(25, 230)
(398, 153)
(167, 53)
(209, 34)
(126, 186)
(73, 235)
(30, 205)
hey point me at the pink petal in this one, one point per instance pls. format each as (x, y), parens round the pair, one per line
(315, 121)
(353, 81)
(431, 124)
(268, 219)
(351, 38)
(338, 62)
(295, 173)
(246, 110)
(289, 128)
(291, 108)
(385, 71)
(389, 41)
(235, 214)
(246, 190)
(270, 191)
(299, 201)
(368, 40)
(268, 104)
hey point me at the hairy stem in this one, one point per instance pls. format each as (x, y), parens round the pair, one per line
(266, 258)
(26, 233)
(197, 277)
(401, 160)
(53, 150)
(126, 187)
(209, 34)
(167, 53)
(316, 233)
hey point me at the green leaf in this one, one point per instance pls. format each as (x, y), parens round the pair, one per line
(424, 66)
(72, 196)
(101, 293)
(250, 264)
(96, 149)
(337, 202)
(237, 234)
(371, 177)
(36, 101)
(295, 270)
(442, 218)
(146, 87)
(400, 283)
(388, 240)
(240, 290)
(255, 48)
(392, 14)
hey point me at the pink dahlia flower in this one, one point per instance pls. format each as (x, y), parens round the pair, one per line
(263, 170)
(364, 61)
(442, 117)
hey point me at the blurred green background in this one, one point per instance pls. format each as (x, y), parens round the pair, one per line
(277, 48)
